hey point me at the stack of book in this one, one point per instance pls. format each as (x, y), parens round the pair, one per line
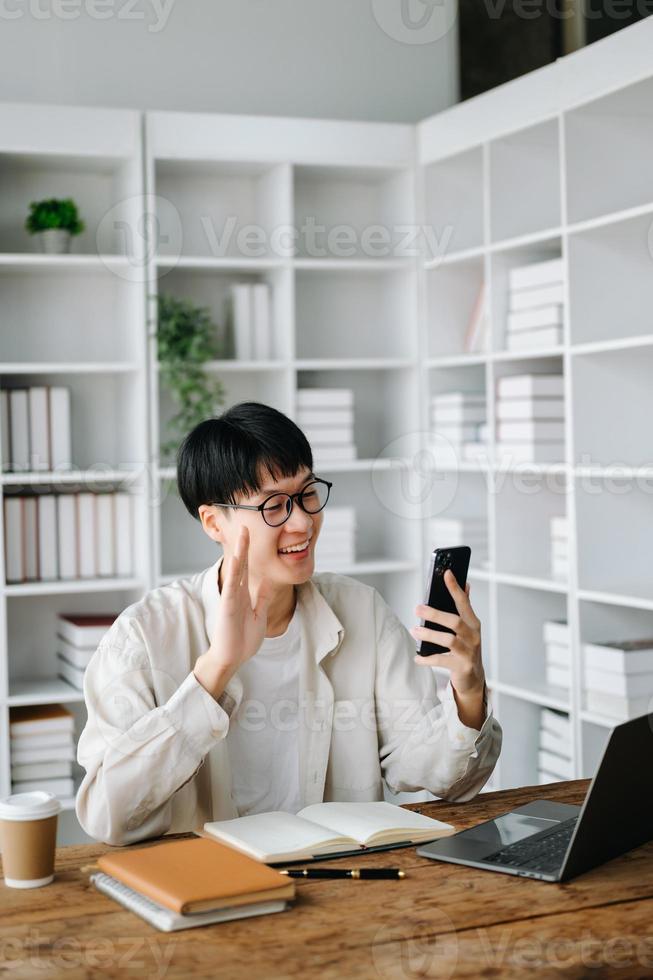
(77, 640)
(459, 417)
(336, 547)
(530, 418)
(42, 740)
(452, 532)
(618, 678)
(557, 653)
(67, 536)
(535, 306)
(554, 755)
(560, 547)
(35, 429)
(251, 321)
(326, 416)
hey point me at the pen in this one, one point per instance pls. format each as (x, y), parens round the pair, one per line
(369, 873)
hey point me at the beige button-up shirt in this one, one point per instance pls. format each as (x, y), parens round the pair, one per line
(154, 746)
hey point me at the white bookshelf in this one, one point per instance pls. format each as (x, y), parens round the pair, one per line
(556, 163)
(75, 320)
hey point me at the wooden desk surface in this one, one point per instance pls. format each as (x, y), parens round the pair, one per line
(442, 920)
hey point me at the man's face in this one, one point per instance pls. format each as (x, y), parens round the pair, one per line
(265, 542)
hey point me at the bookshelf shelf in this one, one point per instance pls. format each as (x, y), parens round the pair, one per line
(68, 367)
(69, 586)
(42, 691)
(74, 476)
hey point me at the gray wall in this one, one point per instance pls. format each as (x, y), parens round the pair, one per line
(348, 59)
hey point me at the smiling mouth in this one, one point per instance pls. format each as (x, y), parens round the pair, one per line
(294, 549)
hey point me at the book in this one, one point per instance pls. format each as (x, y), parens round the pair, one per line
(39, 719)
(616, 706)
(326, 416)
(620, 656)
(262, 340)
(325, 828)
(543, 316)
(461, 413)
(531, 385)
(555, 721)
(68, 557)
(48, 542)
(622, 685)
(195, 875)
(455, 433)
(531, 430)
(60, 434)
(540, 338)
(124, 537)
(451, 398)
(553, 743)
(77, 656)
(531, 452)
(557, 764)
(5, 430)
(87, 537)
(39, 428)
(19, 427)
(325, 397)
(536, 274)
(44, 753)
(84, 630)
(528, 299)
(556, 631)
(166, 921)
(71, 674)
(241, 311)
(557, 676)
(530, 408)
(58, 787)
(41, 770)
(105, 534)
(558, 653)
(31, 538)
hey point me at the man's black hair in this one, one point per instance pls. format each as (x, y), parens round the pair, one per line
(225, 456)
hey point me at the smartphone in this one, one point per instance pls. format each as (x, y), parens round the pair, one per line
(437, 593)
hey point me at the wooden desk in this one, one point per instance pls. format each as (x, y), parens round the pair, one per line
(441, 921)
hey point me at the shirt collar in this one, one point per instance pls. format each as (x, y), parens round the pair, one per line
(323, 629)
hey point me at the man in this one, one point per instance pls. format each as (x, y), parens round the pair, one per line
(256, 685)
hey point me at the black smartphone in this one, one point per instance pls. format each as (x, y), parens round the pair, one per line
(437, 593)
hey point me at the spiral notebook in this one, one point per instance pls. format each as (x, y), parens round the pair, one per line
(165, 920)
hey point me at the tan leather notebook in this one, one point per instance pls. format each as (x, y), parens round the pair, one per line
(196, 875)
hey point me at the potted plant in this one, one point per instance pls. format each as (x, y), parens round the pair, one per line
(186, 339)
(55, 221)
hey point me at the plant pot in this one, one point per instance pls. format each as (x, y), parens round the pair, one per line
(54, 241)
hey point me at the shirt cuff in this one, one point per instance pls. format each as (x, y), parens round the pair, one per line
(196, 713)
(462, 736)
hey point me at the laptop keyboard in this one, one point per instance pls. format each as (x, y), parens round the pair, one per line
(542, 852)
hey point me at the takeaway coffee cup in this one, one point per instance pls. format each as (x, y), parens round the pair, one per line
(28, 835)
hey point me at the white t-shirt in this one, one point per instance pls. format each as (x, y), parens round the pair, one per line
(263, 736)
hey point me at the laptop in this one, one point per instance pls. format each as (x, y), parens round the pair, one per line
(557, 841)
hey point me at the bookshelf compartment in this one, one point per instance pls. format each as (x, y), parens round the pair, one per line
(352, 212)
(220, 209)
(103, 410)
(185, 547)
(453, 194)
(615, 536)
(211, 288)
(525, 501)
(521, 616)
(609, 149)
(456, 300)
(100, 187)
(68, 315)
(612, 406)
(610, 282)
(385, 423)
(362, 313)
(501, 264)
(524, 172)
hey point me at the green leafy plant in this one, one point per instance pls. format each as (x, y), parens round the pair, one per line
(186, 339)
(54, 213)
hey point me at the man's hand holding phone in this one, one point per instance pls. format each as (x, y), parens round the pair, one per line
(239, 627)
(463, 661)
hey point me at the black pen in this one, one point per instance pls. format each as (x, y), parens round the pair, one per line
(369, 873)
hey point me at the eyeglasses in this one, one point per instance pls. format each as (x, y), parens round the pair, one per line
(277, 508)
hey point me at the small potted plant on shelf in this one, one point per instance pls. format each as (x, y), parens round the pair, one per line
(54, 221)
(186, 339)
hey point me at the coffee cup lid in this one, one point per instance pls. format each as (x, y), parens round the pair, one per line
(29, 806)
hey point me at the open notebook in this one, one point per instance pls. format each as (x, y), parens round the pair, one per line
(325, 828)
